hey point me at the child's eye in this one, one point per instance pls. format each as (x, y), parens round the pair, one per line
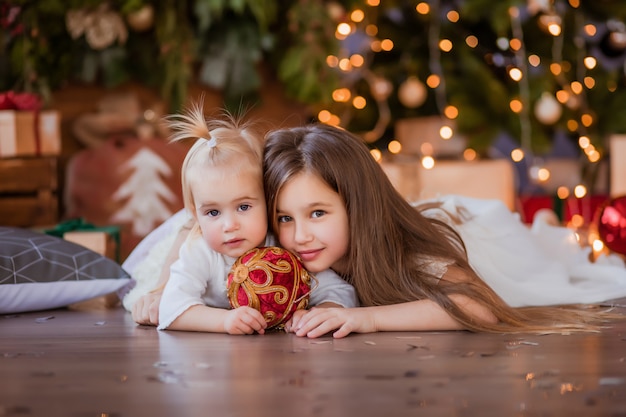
(213, 213)
(284, 219)
(318, 213)
(245, 207)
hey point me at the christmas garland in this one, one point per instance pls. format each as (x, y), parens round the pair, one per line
(220, 44)
(166, 45)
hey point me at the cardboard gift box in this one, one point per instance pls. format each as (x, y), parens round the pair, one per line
(49, 132)
(29, 133)
(17, 133)
(98, 241)
(104, 240)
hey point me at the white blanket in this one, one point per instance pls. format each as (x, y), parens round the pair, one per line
(533, 266)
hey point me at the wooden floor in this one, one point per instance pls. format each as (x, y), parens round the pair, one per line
(98, 363)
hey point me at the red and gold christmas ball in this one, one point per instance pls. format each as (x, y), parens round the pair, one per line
(271, 280)
(611, 224)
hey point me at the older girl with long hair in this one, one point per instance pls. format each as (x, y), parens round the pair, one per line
(330, 202)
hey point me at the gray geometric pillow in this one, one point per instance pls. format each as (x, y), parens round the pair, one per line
(41, 272)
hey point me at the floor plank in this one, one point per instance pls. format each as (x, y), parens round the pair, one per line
(99, 363)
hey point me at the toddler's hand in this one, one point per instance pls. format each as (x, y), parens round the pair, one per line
(244, 320)
(146, 309)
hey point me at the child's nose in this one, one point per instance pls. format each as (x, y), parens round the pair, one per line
(230, 223)
(301, 233)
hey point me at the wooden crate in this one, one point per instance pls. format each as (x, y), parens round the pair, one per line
(29, 192)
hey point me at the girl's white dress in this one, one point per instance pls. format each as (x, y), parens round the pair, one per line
(531, 266)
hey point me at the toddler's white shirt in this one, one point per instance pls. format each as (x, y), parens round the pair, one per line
(200, 277)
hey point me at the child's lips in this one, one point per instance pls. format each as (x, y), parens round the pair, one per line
(234, 242)
(309, 255)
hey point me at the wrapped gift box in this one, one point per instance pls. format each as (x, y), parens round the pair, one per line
(29, 133)
(104, 240)
(49, 132)
(98, 241)
(416, 132)
(493, 178)
(17, 133)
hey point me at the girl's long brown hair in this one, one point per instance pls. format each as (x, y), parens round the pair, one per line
(391, 242)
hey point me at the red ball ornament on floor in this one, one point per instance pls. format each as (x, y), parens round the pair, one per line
(271, 280)
(611, 224)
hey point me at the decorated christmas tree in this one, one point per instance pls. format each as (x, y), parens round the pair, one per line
(536, 78)
(534, 75)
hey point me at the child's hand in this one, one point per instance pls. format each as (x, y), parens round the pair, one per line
(292, 323)
(146, 309)
(319, 321)
(244, 320)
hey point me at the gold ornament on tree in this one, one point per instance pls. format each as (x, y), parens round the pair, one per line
(412, 92)
(142, 19)
(547, 110)
(381, 88)
(101, 27)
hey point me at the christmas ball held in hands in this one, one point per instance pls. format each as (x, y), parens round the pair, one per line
(271, 280)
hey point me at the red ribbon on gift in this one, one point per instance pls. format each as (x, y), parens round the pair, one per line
(11, 100)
